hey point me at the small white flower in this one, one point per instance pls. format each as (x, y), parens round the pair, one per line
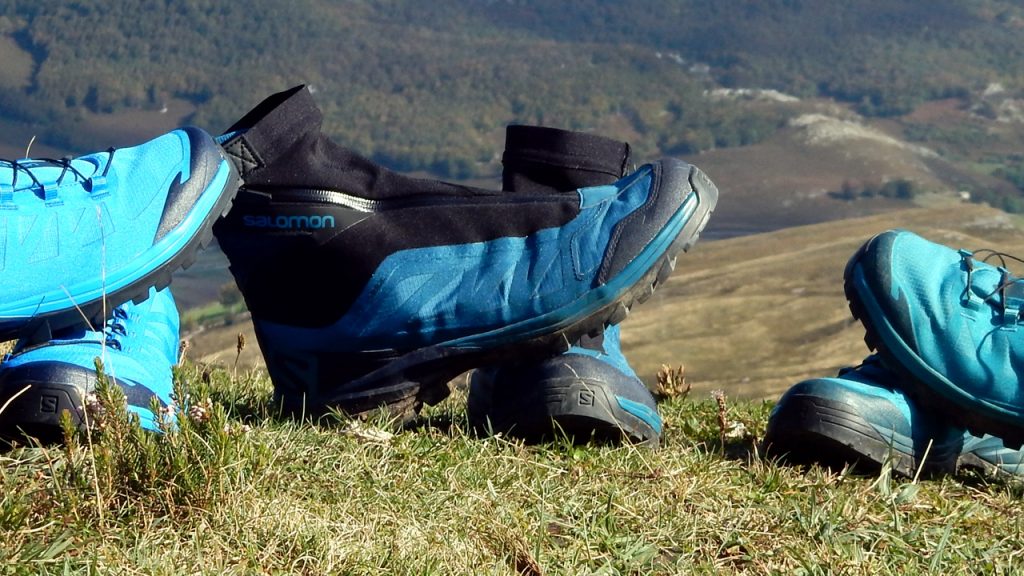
(200, 413)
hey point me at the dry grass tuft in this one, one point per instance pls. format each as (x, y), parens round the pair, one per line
(671, 383)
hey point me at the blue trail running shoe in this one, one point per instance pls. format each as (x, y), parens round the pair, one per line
(951, 322)
(80, 236)
(587, 393)
(862, 418)
(371, 289)
(138, 346)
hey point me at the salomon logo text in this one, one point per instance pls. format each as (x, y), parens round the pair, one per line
(289, 222)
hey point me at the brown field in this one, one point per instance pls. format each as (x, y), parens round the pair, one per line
(134, 126)
(15, 140)
(787, 179)
(219, 345)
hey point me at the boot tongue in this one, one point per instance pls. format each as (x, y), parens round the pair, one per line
(270, 133)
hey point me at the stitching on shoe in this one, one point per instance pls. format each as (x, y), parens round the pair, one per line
(640, 213)
(574, 247)
(243, 156)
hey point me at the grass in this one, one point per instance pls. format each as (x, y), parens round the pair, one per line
(237, 490)
(753, 315)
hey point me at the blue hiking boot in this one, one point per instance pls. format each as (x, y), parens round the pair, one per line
(138, 346)
(81, 236)
(951, 322)
(370, 289)
(862, 418)
(587, 393)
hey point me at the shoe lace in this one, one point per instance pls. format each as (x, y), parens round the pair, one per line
(96, 183)
(115, 329)
(1009, 288)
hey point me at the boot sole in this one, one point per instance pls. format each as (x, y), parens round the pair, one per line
(33, 398)
(809, 429)
(579, 409)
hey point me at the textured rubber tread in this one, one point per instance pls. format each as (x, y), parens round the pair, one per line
(813, 430)
(808, 429)
(544, 415)
(44, 393)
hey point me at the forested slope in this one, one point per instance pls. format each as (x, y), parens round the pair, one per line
(430, 85)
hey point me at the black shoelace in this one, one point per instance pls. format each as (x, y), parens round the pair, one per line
(50, 191)
(115, 328)
(1008, 284)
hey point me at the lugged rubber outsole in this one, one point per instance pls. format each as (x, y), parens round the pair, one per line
(580, 409)
(420, 377)
(808, 429)
(40, 328)
(33, 398)
(925, 387)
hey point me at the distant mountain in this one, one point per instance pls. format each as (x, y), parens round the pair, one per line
(430, 85)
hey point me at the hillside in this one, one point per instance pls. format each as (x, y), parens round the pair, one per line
(869, 93)
(429, 86)
(750, 315)
(798, 174)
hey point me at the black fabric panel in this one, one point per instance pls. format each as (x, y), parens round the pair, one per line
(539, 159)
(310, 278)
(296, 96)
